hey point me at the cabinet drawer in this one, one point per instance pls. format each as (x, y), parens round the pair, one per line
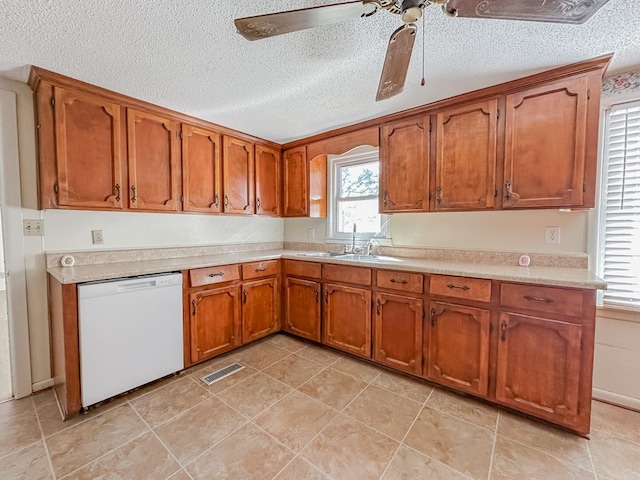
(302, 269)
(338, 273)
(259, 269)
(209, 275)
(542, 299)
(477, 289)
(404, 281)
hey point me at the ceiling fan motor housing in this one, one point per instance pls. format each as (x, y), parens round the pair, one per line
(411, 10)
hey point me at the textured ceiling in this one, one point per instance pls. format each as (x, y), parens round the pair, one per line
(186, 55)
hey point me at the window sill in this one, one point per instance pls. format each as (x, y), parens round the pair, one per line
(624, 314)
(381, 242)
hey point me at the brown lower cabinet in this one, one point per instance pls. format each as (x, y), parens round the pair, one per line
(524, 346)
(458, 347)
(259, 309)
(539, 363)
(347, 319)
(215, 321)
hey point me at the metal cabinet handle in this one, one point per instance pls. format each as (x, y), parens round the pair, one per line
(117, 185)
(461, 287)
(507, 189)
(386, 199)
(317, 294)
(226, 200)
(193, 304)
(503, 331)
(326, 296)
(133, 194)
(401, 282)
(258, 206)
(434, 316)
(216, 200)
(438, 194)
(538, 299)
(244, 296)
(261, 269)
(378, 306)
(217, 274)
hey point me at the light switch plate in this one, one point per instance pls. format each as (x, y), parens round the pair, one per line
(33, 227)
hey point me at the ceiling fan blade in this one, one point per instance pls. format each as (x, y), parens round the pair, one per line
(396, 63)
(272, 24)
(556, 11)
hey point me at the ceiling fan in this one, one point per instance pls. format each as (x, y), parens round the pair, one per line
(396, 62)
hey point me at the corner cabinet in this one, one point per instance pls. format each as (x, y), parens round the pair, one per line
(296, 182)
(154, 162)
(551, 144)
(466, 158)
(404, 157)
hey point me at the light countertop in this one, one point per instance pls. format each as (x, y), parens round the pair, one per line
(544, 275)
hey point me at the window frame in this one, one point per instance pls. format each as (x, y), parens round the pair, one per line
(598, 243)
(356, 156)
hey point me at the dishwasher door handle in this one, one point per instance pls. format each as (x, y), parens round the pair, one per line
(129, 287)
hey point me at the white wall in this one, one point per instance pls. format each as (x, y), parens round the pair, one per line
(520, 231)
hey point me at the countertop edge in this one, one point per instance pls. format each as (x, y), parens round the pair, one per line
(560, 276)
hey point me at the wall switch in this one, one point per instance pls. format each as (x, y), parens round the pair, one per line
(552, 235)
(98, 236)
(311, 233)
(33, 227)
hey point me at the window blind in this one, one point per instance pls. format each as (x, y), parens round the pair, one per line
(621, 236)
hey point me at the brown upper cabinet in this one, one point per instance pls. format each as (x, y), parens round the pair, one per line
(154, 161)
(296, 182)
(466, 158)
(238, 176)
(88, 169)
(546, 154)
(267, 181)
(201, 170)
(404, 154)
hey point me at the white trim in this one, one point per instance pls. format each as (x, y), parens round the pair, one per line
(616, 399)
(43, 385)
(10, 201)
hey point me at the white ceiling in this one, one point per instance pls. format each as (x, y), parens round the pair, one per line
(187, 56)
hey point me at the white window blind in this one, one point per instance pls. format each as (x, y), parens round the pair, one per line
(620, 246)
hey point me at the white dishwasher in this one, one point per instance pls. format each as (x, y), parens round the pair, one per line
(130, 333)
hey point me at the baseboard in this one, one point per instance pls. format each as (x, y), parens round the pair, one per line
(43, 385)
(616, 399)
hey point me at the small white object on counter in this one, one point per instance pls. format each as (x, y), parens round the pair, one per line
(67, 261)
(524, 260)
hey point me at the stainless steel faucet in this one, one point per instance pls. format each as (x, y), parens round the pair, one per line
(353, 239)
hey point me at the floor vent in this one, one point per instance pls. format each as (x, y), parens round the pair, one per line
(222, 373)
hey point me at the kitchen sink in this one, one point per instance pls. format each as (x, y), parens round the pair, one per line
(367, 258)
(320, 254)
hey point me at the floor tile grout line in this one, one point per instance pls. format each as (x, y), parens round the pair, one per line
(295, 454)
(493, 448)
(105, 454)
(593, 465)
(437, 461)
(44, 440)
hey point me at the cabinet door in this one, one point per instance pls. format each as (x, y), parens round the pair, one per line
(296, 182)
(347, 319)
(154, 178)
(459, 347)
(237, 175)
(302, 308)
(215, 322)
(404, 148)
(259, 309)
(88, 151)
(545, 145)
(398, 332)
(539, 366)
(466, 158)
(267, 181)
(201, 170)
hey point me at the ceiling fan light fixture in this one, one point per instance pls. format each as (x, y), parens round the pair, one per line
(411, 14)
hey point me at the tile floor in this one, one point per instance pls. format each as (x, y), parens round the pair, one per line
(296, 412)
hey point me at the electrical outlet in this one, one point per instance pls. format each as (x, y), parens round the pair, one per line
(33, 227)
(98, 236)
(311, 233)
(552, 235)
